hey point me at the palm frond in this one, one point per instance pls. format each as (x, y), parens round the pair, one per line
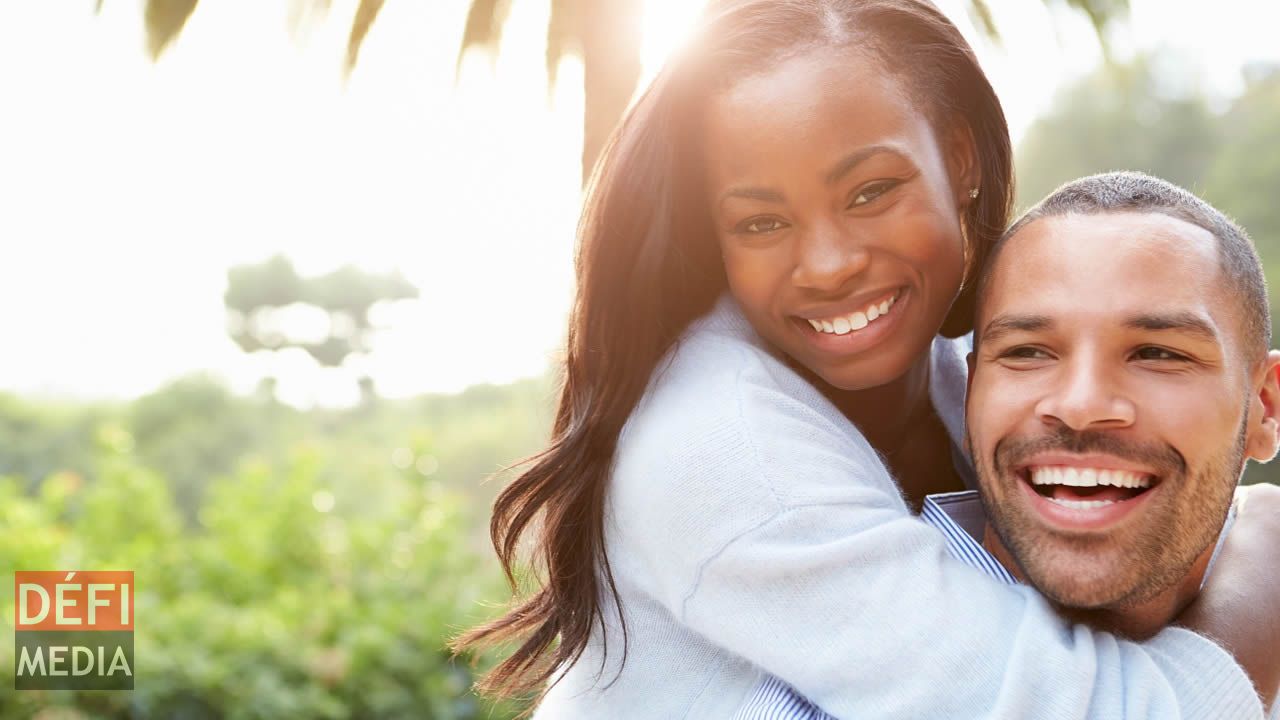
(165, 19)
(366, 13)
(564, 35)
(981, 12)
(1101, 14)
(484, 26)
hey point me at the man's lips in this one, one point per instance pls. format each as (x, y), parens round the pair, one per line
(1101, 461)
(1085, 492)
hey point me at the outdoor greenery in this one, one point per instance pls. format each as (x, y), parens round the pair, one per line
(312, 564)
(287, 564)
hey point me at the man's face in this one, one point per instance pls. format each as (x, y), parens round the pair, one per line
(1111, 403)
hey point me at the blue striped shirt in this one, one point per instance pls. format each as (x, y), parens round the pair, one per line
(959, 516)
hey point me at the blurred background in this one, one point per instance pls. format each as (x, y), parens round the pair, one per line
(284, 280)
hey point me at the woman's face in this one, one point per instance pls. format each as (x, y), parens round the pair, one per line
(837, 211)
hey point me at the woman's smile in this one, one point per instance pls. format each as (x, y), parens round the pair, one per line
(844, 332)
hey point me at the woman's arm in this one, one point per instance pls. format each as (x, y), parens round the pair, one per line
(1238, 606)
(766, 525)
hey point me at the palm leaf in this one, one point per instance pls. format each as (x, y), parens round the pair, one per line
(564, 35)
(165, 19)
(981, 12)
(366, 13)
(484, 25)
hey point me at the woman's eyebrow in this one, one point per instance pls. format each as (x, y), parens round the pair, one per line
(752, 193)
(837, 171)
(852, 160)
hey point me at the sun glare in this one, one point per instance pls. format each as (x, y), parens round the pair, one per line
(667, 24)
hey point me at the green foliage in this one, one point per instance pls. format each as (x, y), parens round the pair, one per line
(1119, 118)
(292, 599)
(1246, 173)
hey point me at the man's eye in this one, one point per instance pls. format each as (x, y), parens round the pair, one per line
(759, 225)
(1158, 353)
(871, 191)
(1025, 352)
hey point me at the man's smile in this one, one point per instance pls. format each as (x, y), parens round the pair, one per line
(1084, 493)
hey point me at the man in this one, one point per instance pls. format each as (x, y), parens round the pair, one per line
(1120, 379)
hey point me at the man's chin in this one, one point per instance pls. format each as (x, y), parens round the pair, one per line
(1080, 580)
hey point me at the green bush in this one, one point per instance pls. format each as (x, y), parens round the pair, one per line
(293, 596)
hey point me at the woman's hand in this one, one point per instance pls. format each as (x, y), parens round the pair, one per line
(1240, 605)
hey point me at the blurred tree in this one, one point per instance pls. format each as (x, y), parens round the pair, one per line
(1245, 176)
(605, 33)
(264, 300)
(194, 430)
(1244, 182)
(1120, 117)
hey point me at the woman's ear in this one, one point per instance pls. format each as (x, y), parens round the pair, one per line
(1263, 435)
(962, 163)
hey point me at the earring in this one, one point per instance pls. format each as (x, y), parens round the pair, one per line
(973, 194)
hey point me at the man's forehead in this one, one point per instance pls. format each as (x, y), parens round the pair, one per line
(1118, 262)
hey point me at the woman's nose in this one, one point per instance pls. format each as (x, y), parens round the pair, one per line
(827, 259)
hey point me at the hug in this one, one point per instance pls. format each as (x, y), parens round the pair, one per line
(834, 442)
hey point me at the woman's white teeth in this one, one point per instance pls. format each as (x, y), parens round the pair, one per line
(1081, 504)
(1088, 477)
(846, 324)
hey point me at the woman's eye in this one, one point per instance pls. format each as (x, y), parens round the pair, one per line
(1158, 353)
(871, 191)
(759, 225)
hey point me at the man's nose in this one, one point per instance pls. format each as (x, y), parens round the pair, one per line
(1087, 395)
(827, 258)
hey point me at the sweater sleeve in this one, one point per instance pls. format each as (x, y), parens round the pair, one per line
(777, 535)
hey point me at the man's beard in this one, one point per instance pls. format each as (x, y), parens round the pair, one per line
(1134, 563)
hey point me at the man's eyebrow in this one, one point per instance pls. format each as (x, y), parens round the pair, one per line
(1185, 322)
(1002, 325)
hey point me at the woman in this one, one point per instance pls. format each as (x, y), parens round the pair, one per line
(755, 398)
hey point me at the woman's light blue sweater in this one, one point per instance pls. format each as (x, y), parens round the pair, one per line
(752, 529)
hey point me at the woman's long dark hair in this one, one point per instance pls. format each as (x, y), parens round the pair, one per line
(648, 264)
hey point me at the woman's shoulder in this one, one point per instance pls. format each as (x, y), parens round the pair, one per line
(722, 414)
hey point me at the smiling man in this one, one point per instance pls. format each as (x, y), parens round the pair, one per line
(1120, 380)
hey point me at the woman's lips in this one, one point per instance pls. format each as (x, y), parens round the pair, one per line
(854, 341)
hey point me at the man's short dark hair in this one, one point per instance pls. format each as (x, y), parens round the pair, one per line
(1117, 192)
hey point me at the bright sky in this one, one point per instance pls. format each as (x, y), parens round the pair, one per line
(128, 188)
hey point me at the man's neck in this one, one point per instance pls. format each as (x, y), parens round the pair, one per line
(1138, 620)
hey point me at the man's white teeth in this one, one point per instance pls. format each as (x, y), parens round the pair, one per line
(1081, 504)
(1088, 477)
(846, 324)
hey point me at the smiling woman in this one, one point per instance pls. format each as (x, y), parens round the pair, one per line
(728, 492)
